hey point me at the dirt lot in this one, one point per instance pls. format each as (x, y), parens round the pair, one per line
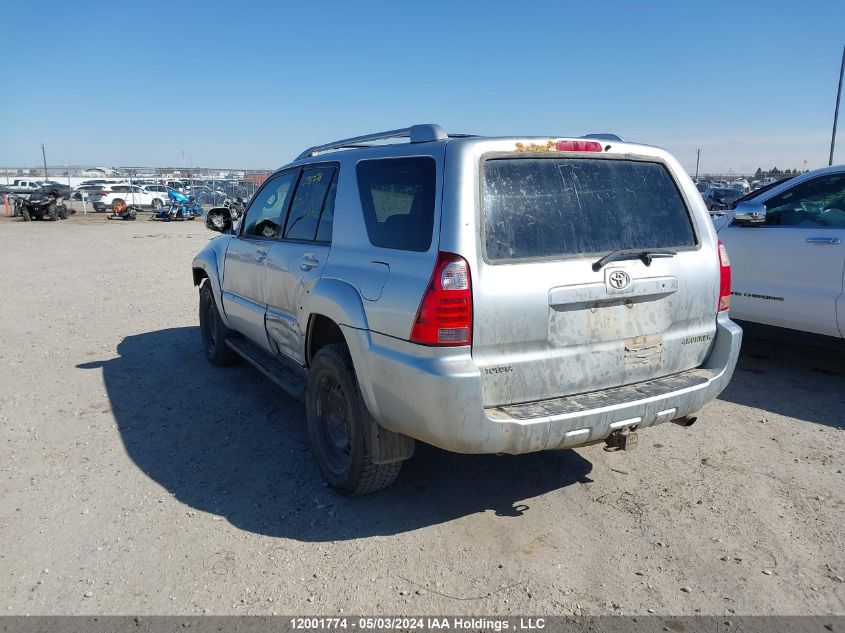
(137, 478)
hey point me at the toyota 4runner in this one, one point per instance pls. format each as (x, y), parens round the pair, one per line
(484, 295)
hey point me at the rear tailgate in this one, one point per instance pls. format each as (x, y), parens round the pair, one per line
(546, 324)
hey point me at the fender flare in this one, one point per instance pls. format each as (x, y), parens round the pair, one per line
(339, 301)
(208, 263)
(342, 303)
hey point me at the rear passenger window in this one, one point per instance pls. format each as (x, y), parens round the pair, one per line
(397, 198)
(308, 203)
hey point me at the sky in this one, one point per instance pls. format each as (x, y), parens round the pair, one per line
(251, 84)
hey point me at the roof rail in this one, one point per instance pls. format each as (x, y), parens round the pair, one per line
(603, 137)
(422, 133)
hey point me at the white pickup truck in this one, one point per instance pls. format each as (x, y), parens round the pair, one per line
(23, 187)
(787, 249)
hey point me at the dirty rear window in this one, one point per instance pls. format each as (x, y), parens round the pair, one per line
(551, 207)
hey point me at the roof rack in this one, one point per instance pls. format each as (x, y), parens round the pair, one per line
(422, 133)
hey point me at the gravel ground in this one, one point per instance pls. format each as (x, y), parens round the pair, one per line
(135, 478)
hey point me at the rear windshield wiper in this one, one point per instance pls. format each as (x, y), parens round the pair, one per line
(622, 253)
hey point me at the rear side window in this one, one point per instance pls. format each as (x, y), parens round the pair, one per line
(552, 207)
(397, 198)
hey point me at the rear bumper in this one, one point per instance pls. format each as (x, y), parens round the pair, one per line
(437, 399)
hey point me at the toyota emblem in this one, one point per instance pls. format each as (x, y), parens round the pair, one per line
(619, 279)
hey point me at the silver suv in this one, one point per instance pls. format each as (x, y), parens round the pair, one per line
(485, 295)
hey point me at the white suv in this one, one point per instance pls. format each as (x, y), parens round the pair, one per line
(132, 195)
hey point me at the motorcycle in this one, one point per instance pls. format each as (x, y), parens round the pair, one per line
(236, 207)
(181, 207)
(41, 205)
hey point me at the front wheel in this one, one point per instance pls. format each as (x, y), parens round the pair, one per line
(24, 213)
(214, 332)
(338, 424)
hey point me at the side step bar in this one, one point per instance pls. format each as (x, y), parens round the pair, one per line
(292, 381)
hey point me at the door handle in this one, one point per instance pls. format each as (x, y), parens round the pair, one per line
(260, 256)
(308, 262)
(823, 240)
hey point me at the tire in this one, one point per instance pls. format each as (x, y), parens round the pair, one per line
(338, 422)
(25, 214)
(115, 204)
(157, 204)
(64, 214)
(214, 332)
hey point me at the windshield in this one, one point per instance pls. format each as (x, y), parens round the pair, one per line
(552, 207)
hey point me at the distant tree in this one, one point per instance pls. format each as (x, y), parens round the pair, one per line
(758, 174)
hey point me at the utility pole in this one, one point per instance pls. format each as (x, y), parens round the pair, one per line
(836, 110)
(44, 156)
(697, 159)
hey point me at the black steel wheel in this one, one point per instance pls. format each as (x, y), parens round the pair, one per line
(213, 331)
(338, 423)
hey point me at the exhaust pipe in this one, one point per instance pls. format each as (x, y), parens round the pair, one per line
(686, 421)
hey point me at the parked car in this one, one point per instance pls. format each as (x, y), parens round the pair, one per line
(205, 195)
(62, 189)
(111, 197)
(720, 198)
(741, 184)
(702, 185)
(85, 190)
(485, 295)
(787, 244)
(160, 190)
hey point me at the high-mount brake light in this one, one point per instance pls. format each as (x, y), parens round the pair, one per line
(724, 279)
(444, 317)
(578, 146)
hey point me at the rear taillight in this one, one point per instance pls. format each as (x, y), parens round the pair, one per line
(445, 313)
(578, 146)
(724, 279)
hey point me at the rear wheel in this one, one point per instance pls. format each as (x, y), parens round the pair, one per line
(214, 332)
(157, 204)
(338, 423)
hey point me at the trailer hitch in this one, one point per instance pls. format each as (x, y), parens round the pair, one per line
(622, 440)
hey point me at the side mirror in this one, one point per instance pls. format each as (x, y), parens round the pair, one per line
(218, 219)
(749, 213)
